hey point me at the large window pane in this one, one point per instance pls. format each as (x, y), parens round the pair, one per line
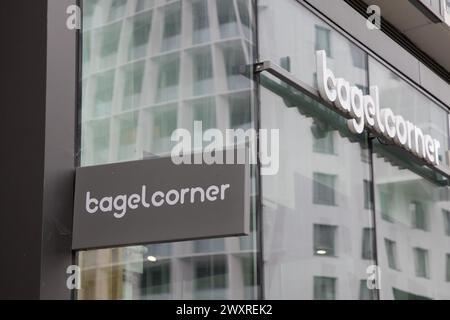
(144, 76)
(314, 209)
(409, 200)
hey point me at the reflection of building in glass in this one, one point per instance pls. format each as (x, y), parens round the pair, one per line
(339, 203)
(150, 67)
(341, 208)
(319, 212)
(318, 230)
(416, 243)
(156, 63)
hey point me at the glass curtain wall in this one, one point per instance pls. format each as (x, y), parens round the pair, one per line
(319, 211)
(339, 204)
(411, 211)
(148, 68)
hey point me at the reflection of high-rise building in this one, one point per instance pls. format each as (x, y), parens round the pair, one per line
(413, 229)
(162, 65)
(345, 217)
(150, 67)
(344, 203)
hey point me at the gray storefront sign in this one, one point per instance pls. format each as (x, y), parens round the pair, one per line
(154, 201)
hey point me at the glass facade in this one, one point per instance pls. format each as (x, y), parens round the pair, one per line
(318, 222)
(409, 203)
(150, 67)
(342, 203)
(339, 204)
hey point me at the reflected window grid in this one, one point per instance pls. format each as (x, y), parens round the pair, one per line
(397, 184)
(144, 99)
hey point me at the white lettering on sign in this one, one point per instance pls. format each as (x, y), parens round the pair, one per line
(365, 112)
(120, 204)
